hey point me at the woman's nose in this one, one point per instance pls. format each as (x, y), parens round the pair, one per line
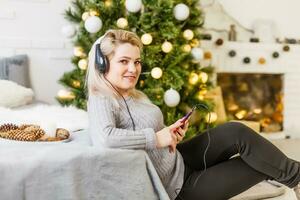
(132, 67)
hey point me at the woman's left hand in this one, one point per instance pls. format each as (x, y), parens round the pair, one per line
(180, 132)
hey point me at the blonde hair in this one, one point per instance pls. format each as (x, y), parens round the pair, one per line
(95, 82)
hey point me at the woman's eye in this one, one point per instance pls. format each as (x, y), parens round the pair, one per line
(124, 62)
(137, 62)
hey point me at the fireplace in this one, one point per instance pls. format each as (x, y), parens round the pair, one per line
(254, 97)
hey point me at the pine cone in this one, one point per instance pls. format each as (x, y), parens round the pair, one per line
(8, 127)
(21, 135)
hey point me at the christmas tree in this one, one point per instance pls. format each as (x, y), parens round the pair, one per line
(173, 77)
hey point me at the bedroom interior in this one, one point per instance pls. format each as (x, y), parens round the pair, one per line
(256, 78)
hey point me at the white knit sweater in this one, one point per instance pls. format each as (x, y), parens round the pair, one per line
(110, 126)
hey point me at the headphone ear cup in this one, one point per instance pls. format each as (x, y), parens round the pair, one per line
(101, 62)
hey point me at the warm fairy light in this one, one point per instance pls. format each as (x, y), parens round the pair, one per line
(211, 117)
(85, 15)
(167, 47)
(78, 51)
(186, 48)
(257, 110)
(146, 39)
(122, 22)
(94, 13)
(193, 79)
(241, 114)
(156, 72)
(64, 94)
(188, 34)
(203, 77)
(82, 64)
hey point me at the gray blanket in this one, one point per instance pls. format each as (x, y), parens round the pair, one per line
(74, 171)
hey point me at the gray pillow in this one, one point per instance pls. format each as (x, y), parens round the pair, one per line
(15, 69)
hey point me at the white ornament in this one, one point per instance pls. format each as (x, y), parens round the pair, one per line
(82, 64)
(181, 12)
(93, 24)
(197, 53)
(171, 98)
(68, 31)
(122, 22)
(167, 47)
(146, 39)
(156, 72)
(133, 5)
(188, 34)
(85, 15)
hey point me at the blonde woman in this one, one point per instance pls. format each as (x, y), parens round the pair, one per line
(123, 117)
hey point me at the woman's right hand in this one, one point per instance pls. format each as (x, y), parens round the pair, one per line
(166, 137)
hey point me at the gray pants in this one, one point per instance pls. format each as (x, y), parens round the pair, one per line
(225, 176)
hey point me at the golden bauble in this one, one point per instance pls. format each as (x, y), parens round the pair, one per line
(194, 43)
(83, 64)
(76, 84)
(203, 77)
(188, 34)
(85, 15)
(122, 22)
(156, 72)
(94, 13)
(186, 48)
(193, 78)
(146, 39)
(167, 47)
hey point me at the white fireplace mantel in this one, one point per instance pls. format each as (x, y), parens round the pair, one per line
(288, 64)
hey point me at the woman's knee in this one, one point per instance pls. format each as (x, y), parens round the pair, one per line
(240, 129)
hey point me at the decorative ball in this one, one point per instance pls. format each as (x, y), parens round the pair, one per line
(275, 54)
(211, 117)
(94, 13)
(200, 96)
(78, 51)
(262, 61)
(188, 34)
(246, 60)
(122, 22)
(93, 24)
(85, 15)
(68, 31)
(207, 55)
(133, 5)
(232, 53)
(146, 39)
(286, 48)
(186, 48)
(142, 83)
(167, 47)
(171, 97)
(194, 43)
(197, 53)
(203, 77)
(181, 12)
(156, 72)
(108, 3)
(193, 78)
(76, 84)
(82, 64)
(219, 42)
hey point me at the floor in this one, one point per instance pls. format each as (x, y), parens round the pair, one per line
(291, 147)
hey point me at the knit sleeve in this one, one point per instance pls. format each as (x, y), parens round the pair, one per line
(102, 125)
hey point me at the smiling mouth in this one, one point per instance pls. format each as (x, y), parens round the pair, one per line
(130, 77)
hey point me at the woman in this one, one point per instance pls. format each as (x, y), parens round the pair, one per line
(123, 117)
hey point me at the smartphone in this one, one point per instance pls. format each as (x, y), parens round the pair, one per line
(186, 117)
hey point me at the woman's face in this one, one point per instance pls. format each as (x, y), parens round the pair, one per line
(124, 67)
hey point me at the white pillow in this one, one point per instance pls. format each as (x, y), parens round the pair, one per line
(14, 95)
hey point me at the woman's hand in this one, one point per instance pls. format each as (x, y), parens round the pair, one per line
(167, 137)
(180, 133)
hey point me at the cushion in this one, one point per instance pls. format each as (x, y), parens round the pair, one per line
(15, 69)
(14, 95)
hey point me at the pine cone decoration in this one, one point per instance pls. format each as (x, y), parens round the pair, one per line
(8, 127)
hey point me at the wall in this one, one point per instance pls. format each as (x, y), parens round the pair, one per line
(33, 27)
